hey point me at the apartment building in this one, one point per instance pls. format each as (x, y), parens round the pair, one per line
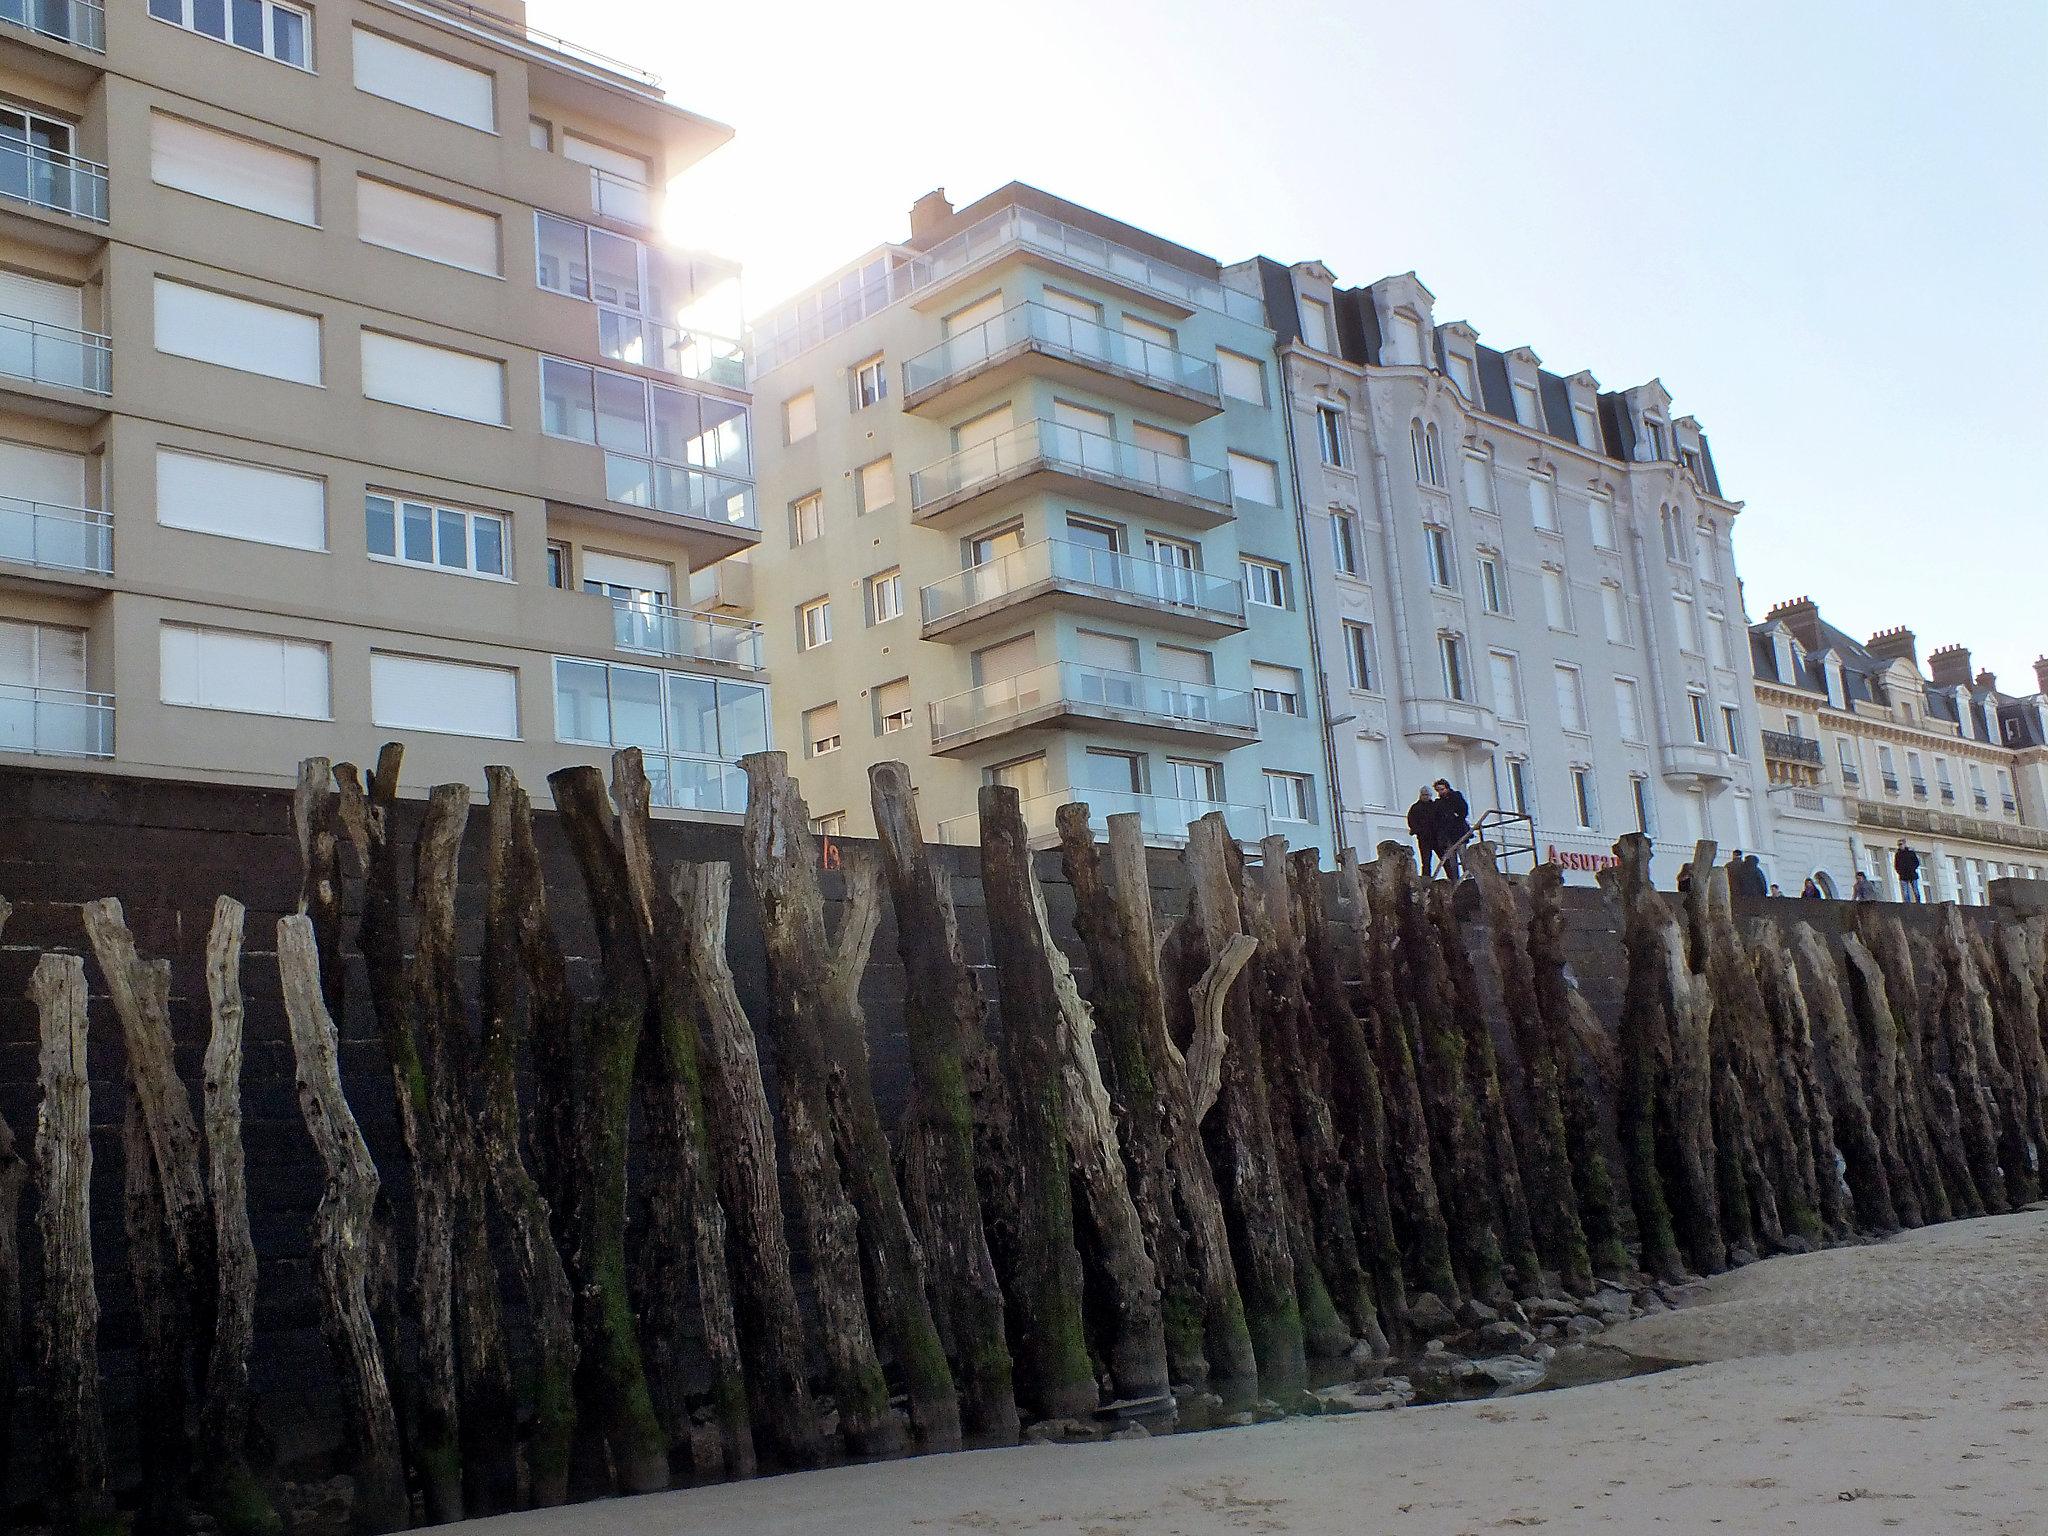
(1521, 582)
(1864, 748)
(1029, 521)
(349, 391)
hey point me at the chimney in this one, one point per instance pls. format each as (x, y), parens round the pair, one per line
(1948, 667)
(1890, 644)
(927, 214)
(2041, 672)
(1802, 617)
(1987, 680)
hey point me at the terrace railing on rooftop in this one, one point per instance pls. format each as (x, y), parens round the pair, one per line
(504, 26)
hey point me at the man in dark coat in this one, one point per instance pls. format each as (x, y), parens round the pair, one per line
(1906, 865)
(1422, 827)
(1453, 826)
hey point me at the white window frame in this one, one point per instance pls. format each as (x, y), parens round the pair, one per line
(894, 720)
(1585, 800)
(1457, 669)
(1277, 701)
(1265, 582)
(1290, 797)
(1701, 732)
(885, 595)
(1440, 551)
(184, 23)
(870, 379)
(808, 509)
(1360, 658)
(823, 746)
(1330, 434)
(471, 518)
(1346, 556)
(1493, 583)
(814, 623)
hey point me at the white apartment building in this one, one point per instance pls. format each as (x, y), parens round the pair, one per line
(1519, 582)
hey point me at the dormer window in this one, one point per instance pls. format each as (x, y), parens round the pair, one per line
(1586, 422)
(1690, 458)
(1528, 404)
(1464, 375)
(1404, 339)
(1834, 684)
(1653, 437)
(1316, 329)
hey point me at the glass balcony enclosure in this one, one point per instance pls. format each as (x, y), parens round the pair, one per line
(1057, 561)
(1053, 445)
(677, 312)
(1052, 331)
(55, 354)
(56, 538)
(56, 722)
(672, 450)
(1161, 818)
(1073, 685)
(83, 22)
(693, 730)
(44, 177)
(685, 633)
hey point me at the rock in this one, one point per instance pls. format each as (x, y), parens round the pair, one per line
(1266, 1411)
(1476, 1314)
(1508, 1373)
(1352, 1397)
(1610, 1306)
(1050, 1431)
(1539, 1351)
(1792, 1242)
(1651, 1302)
(1581, 1327)
(1434, 1348)
(1241, 1420)
(1396, 1386)
(1504, 1335)
(1428, 1316)
(1737, 1257)
(1132, 1432)
(1549, 1309)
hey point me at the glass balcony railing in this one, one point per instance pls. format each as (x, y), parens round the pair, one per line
(49, 178)
(1077, 685)
(682, 783)
(69, 21)
(56, 722)
(1050, 445)
(660, 630)
(1059, 335)
(645, 342)
(1083, 565)
(55, 354)
(58, 538)
(613, 196)
(679, 490)
(1162, 818)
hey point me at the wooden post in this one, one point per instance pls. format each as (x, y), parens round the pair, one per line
(684, 1223)
(516, 902)
(1891, 1083)
(743, 1153)
(1811, 1074)
(2020, 967)
(341, 1236)
(1240, 1133)
(942, 1019)
(317, 825)
(13, 1176)
(1045, 1285)
(74, 1450)
(1973, 1066)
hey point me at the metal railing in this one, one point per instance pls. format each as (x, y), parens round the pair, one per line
(56, 722)
(50, 178)
(1074, 684)
(1059, 335)
(1511, 834)
(613, 196)
(493, 21)
(83, 22)
(57, 538)
(1055, 446)
(1162, 818)
(796, 328)
(1792, 749)
(646, 342)
(679, 490)
(55, 354)
(1084, 565)
(660, 630)
(680, 782)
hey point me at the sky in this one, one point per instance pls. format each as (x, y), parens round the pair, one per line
(1823, 225)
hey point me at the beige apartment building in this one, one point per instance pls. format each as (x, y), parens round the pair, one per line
(349, 392)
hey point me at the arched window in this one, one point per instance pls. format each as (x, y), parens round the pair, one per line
(1435, 452)
(1418, 448)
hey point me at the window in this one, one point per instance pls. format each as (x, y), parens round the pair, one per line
(1507, 685)
(1290, 796)
(280, 32)
(885, 596)
(1463, 376)
(1717, 638)
(1528, 405)
(1845, 754)
(1519, 797)
(799, 416)
(695, 728)
(876, 483)
(1492, 586)
(1557, 603)
(1358, 655)
(430, 228)
(1254, 480)
(1731, 727)
(439, 380)
(1193, 778)
(628, 415)
(1443, 567)
(814, 624)
(447, 538)
(424, 81)
(892, 707)
(1571, 699)
(1976, 773)
(1543, 506)
(1586, 423)
(1674, 534)
(1582, 797)
(540, 133)
(2005, 795)
(1403, 340)
(830, 824)
(1451, 652)
(1688, 622)
(1628, 708)
(248, 674)
(1942, 779)
(240, 501)
(1888, 767)
(1478, 482)
(558, 565)
(806, 518)
(1026, 775)
(1276, 690)
(1918, 771)
(1243, 378)
(1653, 431)
(821, 730)
(1703, 542)
(228, 168)
(242, 334)
(1426, 448)
(1600, 518)
(870, 383)
(1639, 792)
(1344, 543)
(1614, 612)
(452, 698)
(1316, 330)
(1265, 583)
(1119, 773)
(1074, 305)
(1699, 717)
(1330, 434)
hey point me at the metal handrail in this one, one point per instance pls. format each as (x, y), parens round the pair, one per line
(85, 21)
(32, 349)
(661, 630)
(56, 537)
(56, 722)
(1113, 571)
(54, 179)
(1508, 846)
(1087, 453)
(627, 337)
(679, 489)
(1079, 683)
(613, 196)
(494, 22)
(1064, 335)
(1791, 748)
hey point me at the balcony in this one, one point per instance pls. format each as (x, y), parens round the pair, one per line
(1034, 339)
(654, 629)
(1908, 818)
(620, 198)
(82, 22)
(53, 181)
(56, 538)
(1082, 578)
(645, 342)
(56, 355)
(1948, 795)
(679, 491)
(1044, 456)
(1783, 747)
(1450, 722)
(1066, 694)
(1697, 763)
(56, 722)
(1919, 789)
(1162, 819)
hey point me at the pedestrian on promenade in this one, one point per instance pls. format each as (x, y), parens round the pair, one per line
(1453, 826)
(1422, 827)
(1812, 891)
(1906, 865)
(1865, 889)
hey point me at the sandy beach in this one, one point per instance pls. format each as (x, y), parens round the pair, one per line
(1901, 1386)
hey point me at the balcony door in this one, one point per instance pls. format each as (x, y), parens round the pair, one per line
(1095, 552)
(1174, 563)
(994, 566)
(1179, 664)
(42, 674)
(1085, 437)
(641, 591)
(42, 492)
(1196, 785)
(983, 447)
(1109, 668)
(35, 156)
(27, 303)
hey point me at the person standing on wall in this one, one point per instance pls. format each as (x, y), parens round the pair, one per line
(1422, 827)
(1865, 888)
(1906, 865)
(1453, 826)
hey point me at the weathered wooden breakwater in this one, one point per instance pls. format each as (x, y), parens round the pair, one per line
(1272, 1130)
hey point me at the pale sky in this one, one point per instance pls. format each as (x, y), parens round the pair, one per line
(1823, 225)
